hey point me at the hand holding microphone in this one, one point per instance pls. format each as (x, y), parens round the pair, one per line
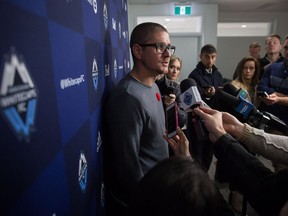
(213, 122)
(190, 99)
(169, 99)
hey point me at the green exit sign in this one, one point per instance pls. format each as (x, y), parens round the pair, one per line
(182, 10)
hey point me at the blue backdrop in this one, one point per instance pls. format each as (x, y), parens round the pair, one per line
(59, 58)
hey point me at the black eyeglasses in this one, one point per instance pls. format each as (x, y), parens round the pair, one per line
(161, 48)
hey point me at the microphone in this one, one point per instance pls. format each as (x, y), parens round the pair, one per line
(231, 89)
(239, 104)
(252, 115)
(201, 147)
(190, 97)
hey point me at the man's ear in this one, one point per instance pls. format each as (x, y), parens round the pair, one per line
(137, 51)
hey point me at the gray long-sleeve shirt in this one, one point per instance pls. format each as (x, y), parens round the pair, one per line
(135, 126)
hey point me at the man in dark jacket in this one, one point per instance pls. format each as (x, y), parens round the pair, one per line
(206, 75)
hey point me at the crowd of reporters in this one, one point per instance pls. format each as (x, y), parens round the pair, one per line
(171, 184)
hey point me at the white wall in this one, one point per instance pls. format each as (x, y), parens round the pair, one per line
(189, 52)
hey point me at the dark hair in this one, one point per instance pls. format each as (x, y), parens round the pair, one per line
(208, 48)
(142, 32)
(240, 67)
(176, 186)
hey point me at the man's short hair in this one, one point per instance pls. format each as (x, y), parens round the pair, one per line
(209, 49)
(273, 35)
(142, 32)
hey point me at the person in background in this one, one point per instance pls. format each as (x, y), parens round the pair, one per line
(246, 82)
(206, 74)
(168, 85)
(208, 80)
(170, 89)
(134, 120)
(247, 79)
(254, 50)
(273, 54)
(275, 83)
(174, 69)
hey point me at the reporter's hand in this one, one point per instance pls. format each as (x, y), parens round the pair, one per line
(271, 99)
(169, 99)
(209, 92)
(212, 121)
(232, 125)
(179, 143)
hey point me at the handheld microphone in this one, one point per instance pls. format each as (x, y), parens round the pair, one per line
(252, 115)
(239, 104)
(230, 89)
(170, 90)
(201, 147)
(190, 97)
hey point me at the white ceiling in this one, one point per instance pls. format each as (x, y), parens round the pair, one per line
(230, 5)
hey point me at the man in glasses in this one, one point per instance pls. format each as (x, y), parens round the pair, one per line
(134, 117)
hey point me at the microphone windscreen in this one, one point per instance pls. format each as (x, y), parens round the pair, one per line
(230, 89)
(186, 84)
(228, 99)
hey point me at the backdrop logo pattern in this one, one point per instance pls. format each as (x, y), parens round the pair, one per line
(68, 82)
(107, 70)
(114, 24)
(99, 142)
(119, 30)
(18, 96)
(93, 3)
(115, 68)
(105, 16)
(83, 170)
(95, 74)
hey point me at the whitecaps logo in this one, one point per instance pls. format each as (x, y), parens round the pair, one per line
(68, 82)
(105, 16)
(115, 68)
(18, 96)
(114, 27)
(93, 3)
(107, 70)
(119, 30)
(83, 171)
(95, 74)
(99, 141)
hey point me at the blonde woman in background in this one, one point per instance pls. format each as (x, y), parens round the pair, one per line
(174, 68)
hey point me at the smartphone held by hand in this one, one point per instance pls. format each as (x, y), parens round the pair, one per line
(171, 119)
(262, 94)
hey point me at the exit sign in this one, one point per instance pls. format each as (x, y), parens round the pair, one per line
(182, 10)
